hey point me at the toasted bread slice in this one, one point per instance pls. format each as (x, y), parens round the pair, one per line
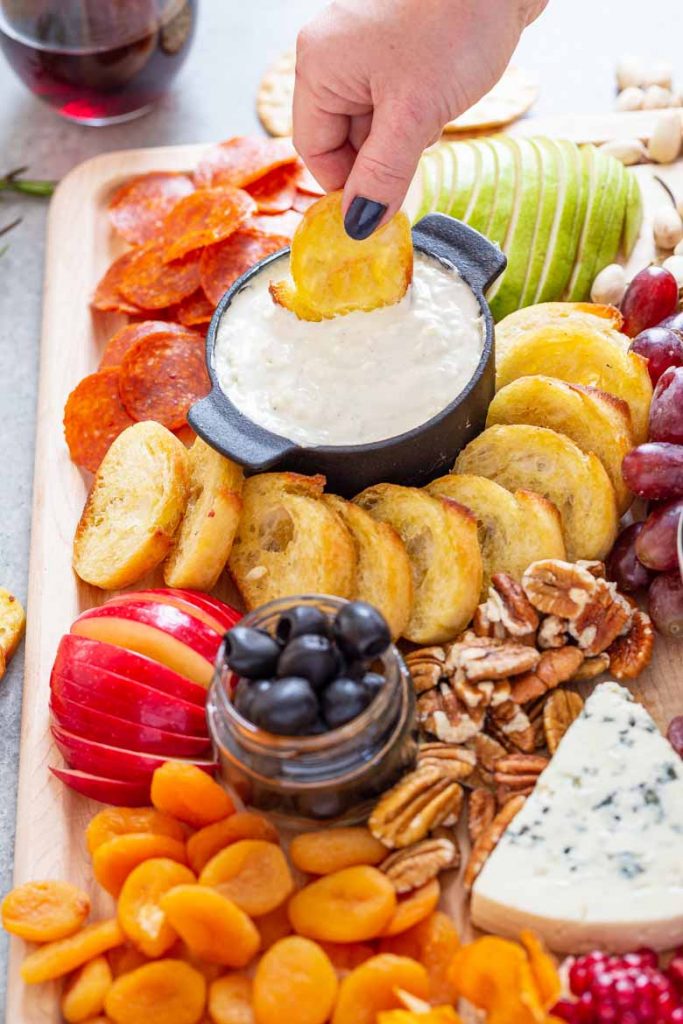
(135, 505)
(440, 537)
(538, 459)
(290, 542)
(208, 528)
(594, 420)
(580, 355)
(514, 529)
(12, 623)
(383, 575)
(593, 316)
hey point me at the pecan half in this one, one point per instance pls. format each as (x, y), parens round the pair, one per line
(457, 761)
(496, 660)
(554, 667)
(508, 607)
(594, 567)
(519, 770)
(481, 810)
(552, 633)
(558, 588)
(487, 751)
(489, 839)
(601, 620)
(510, 725)
(559, 711)
(591, 668)
(420, 801)
(629, 655)
(426, 667)
(440, 714)
(415, 865)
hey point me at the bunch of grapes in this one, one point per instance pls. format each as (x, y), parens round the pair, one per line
(650, 554)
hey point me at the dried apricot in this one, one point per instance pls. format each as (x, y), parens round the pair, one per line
(210, 971)
(543, 968)
(211, 925)
(429, 1015)
(124, 959)
(164, 992)
(322, 853)
(349, 906)
(121, 821)
(413, 907)
(56, 959)
(114, 860)
(186, 792)
(209, 841)
(85, 992)
(346, 956)
(294, 973)
(433, 943)
(230, 1000)
(372, 987)
(273, 926)
(44, 911)
(139, 911)
(252, 873)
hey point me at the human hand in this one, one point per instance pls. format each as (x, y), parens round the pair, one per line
(376, 81)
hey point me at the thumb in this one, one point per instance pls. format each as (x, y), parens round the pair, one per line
(383, 169)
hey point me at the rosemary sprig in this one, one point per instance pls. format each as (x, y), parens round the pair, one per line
(13, 182)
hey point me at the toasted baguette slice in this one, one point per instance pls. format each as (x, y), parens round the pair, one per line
(514, 529)
(541, 460)
(205, 537)
(592, 419)
(135, 505)
(580, 355)
(606, 319)
(440, 537)
(12, 623)
(383, 575)
(290, 542)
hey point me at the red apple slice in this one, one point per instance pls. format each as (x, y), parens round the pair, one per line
(116, 695)
(214, 613)
(92, 655)
(107, 791)
(112, 762)
(118, 732)
(159, 631)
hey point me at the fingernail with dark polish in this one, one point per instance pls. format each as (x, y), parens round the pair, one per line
(362, 217)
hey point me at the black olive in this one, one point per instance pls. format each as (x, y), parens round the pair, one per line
(343, 700)
(245, 692)
(251, 653)
(288, 707)
(361, 631)
(303, 618)
(311, 657)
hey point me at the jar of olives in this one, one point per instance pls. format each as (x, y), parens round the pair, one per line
(328, 772)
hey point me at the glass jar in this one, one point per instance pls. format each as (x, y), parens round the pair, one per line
(333, 777)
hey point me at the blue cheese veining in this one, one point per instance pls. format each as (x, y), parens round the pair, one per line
(357, 378)
(595, 856)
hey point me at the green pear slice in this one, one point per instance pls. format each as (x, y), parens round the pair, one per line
(467, 168)
(508, 295)
(431, 180)
(504, 199)
(569, 213)
(547, 208)
(479, 212)
(449, 174)
(609, 246)
(599, 170)
(633, 221)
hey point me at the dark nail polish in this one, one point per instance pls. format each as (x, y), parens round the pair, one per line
(362, 217)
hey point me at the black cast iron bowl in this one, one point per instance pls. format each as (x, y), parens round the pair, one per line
(415, 457)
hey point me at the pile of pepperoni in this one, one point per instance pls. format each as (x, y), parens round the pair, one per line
(191, 237)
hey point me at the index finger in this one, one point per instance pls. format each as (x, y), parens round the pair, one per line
(321, 138)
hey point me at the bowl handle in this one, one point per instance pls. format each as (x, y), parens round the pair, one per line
(223, 427)
(479, 261)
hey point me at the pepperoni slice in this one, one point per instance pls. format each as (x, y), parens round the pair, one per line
(275, 192)
(151, 283)
(222, 264)
(205, 217)
(244, 159)
(108, 297)
(127, 336)
(196, 309)
(138, 208)
(94, 416)
(305, 181)
(283, 224)
(163, 376)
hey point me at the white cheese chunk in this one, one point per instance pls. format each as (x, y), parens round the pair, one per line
(595, 857)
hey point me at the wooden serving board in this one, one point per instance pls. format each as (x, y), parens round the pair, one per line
(50, 818)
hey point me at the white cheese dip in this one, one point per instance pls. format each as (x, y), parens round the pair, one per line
(353, 379)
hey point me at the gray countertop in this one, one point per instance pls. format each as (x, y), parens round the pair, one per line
(573, 49)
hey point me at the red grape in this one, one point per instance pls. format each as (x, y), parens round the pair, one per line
(666, 410)
(674, 323)
(662, 347)
(654, 471)
(674, 734)
(622, 562)
(655, 544)
(651, 296)
(665, 604)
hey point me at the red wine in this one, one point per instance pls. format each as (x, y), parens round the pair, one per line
(97, 61)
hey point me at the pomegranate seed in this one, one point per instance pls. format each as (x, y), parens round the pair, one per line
(675, 971)
(579, 978)
(676, 1015)
(585, 1009)
(607, 1013)
(565, 1009)
(648, 957)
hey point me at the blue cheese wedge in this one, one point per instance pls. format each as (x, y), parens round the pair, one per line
(595, 857)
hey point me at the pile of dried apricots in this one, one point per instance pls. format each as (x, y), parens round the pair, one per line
(204, 891)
